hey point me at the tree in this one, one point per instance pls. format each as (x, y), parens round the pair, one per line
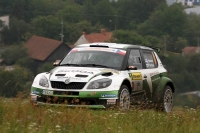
(180, 44)
(193, 64)
(15, 32)
(89, 11)
(47, 26)
(129, 37)
(165, 21)
(105, 14)
(135, 10)
(27, 63)
(46, 67)
(192, 29)
(47, 7)
(5, 6)
(18, 10)
(73, 31)
(71, 14)
(13, 54)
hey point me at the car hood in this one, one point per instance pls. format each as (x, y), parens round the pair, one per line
(78, 74)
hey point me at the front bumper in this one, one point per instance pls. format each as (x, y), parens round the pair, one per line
(89, 99)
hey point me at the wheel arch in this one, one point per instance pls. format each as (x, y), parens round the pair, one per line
(172, 86)
(163, 82)
(128, 84)
(159, 92)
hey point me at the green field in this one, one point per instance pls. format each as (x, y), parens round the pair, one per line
(18, 116)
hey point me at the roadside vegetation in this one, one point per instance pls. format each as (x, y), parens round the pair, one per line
(17, 115)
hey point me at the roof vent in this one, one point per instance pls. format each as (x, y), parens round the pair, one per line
(99, 46)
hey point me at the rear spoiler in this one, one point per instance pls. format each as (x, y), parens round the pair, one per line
(155, 48)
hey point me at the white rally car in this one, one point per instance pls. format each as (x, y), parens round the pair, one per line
(100, 75)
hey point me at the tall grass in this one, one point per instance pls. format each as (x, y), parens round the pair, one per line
(18, 116)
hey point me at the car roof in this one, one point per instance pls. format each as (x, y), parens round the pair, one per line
(112, 45)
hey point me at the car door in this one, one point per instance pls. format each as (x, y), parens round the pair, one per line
(151, 72)
(136, 76)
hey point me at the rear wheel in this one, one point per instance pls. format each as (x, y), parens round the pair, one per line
(124, 98)
(168, 99)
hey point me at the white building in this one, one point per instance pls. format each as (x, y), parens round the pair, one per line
(4, 21)
(170, 2)
(195, 2)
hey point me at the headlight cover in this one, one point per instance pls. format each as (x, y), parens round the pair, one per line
(100, 83)
(44, 82)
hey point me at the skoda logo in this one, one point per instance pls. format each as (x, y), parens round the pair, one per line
(67, 81)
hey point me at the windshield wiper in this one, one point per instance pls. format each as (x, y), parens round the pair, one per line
(94, 65)
(70, 64)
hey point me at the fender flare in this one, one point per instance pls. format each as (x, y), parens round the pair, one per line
(127, 82)
(163, 82)
(159, 92)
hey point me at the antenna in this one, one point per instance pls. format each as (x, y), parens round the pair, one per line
(61, 34)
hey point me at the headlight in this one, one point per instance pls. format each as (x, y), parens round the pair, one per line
(43, 82)
(100, 83)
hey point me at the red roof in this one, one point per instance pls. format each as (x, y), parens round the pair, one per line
(191, 50)
(98, 37)
(40, 48)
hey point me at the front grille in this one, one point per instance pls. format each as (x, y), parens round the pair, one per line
(72, 85)
(71, 93)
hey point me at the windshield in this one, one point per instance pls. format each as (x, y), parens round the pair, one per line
(92, 56)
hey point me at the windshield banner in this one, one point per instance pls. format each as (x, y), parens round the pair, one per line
(118, 51)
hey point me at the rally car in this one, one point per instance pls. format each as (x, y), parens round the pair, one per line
(101, 75)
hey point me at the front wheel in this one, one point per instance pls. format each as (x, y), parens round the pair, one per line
(168, 99)
(124, 98)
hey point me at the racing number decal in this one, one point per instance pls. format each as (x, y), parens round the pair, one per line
(136, 76)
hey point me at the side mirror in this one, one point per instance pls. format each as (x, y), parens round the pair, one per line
(132, 68)
(56, 63)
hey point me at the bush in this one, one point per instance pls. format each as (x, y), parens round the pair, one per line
(12, 82)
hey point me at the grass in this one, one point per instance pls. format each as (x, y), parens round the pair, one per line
(18, 116)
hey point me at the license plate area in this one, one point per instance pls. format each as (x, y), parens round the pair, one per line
(47, 92)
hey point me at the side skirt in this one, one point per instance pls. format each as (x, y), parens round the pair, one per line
(138, 97)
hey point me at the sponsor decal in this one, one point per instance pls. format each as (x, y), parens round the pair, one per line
(111, 101)
(74, 50)
(60, 77)
(108, 95)
(71, 78)
(92, 94)
(80, 71)
(118, 51)
(135, 76)
(35, 92)
(149, 62)
(122, 52)
(154, 73)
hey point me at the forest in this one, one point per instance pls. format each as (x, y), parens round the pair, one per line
(140, 22)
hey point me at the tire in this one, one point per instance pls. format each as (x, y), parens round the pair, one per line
(123, 101)
(167, 99)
